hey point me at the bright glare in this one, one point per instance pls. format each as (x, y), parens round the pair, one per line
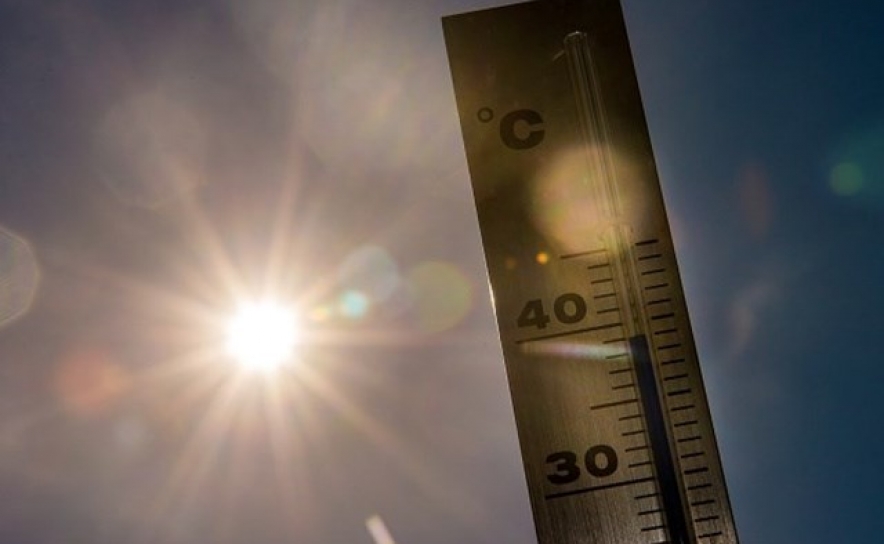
(262, 336)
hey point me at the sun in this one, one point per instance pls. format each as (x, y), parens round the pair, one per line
(262, 336)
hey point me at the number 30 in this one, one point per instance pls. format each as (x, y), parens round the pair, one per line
(600, 461)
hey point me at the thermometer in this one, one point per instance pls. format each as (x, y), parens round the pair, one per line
(613, 422)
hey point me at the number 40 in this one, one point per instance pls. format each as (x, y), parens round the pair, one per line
(567, 308)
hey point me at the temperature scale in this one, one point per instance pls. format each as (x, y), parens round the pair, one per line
(613, 423)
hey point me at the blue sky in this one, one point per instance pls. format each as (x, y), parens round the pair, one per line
(786, 95)
(159, 159)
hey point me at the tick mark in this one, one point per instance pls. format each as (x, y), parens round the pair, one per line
(646, 496)
(567, 333)
(598, 488)
(686, 423)
(672, 361)
(613, 404)
(584, 254)
(679, 392)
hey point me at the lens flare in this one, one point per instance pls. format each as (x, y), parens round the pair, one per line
(856, 167)
(442, 294)
(568, 199)
(262, 336)
(371, 271)
(354, 304)
(378, 529)
(89, 381)
(151, 150)
(19, 276)
(846, 179)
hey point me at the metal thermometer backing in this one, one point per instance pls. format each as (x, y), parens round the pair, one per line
(612, 416)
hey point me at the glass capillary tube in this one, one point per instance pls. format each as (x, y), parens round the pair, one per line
(602, 177)
(602, 174)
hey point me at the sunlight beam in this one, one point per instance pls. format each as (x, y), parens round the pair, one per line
(262, 336)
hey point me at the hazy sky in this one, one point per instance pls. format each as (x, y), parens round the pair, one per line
(158, 160)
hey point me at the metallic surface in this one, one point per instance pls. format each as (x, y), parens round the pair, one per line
(613, 422)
